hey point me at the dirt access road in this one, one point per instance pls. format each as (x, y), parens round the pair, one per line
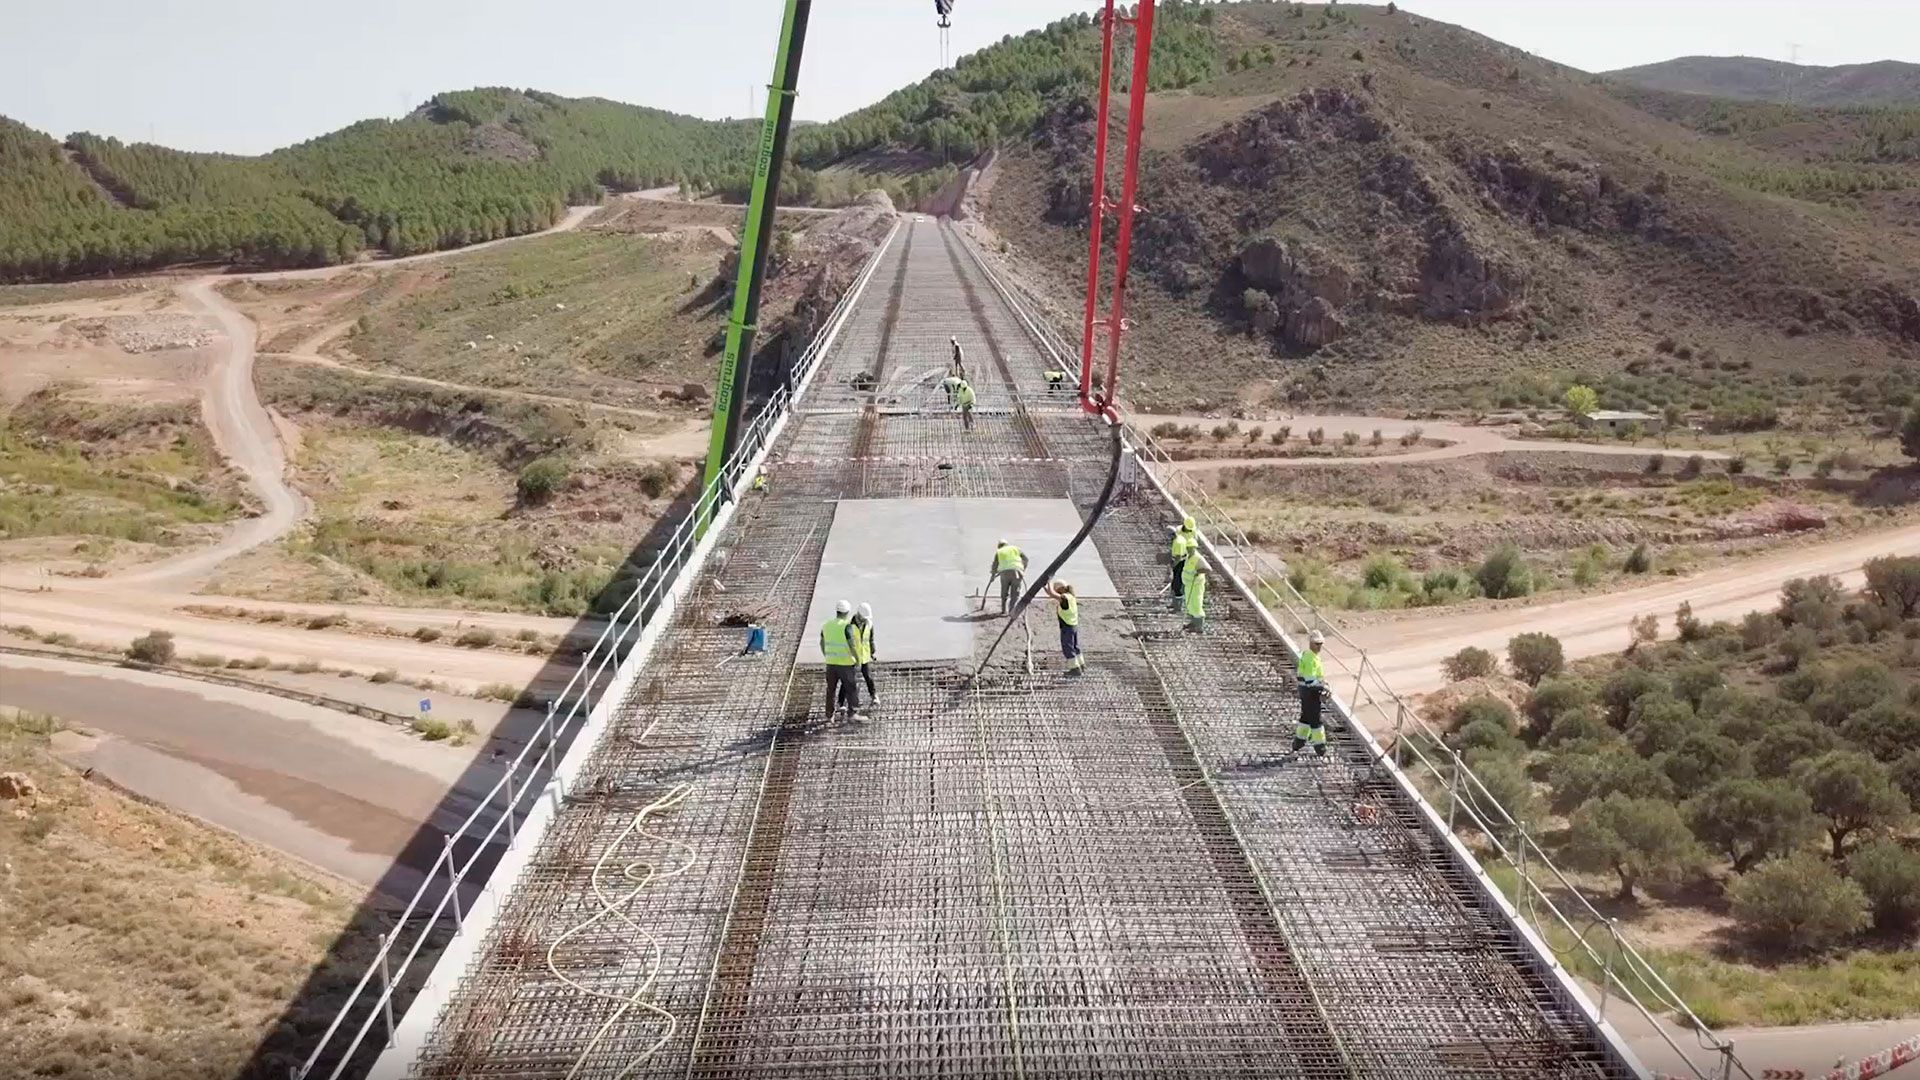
(1408, 651)
(116, 608)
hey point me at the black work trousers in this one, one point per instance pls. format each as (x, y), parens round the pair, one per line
(843, 688)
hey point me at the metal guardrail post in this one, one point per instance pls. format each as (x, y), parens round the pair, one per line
(386, 986)
(453, 883)
(513, 834)
(1606, 970)
(1453, 787)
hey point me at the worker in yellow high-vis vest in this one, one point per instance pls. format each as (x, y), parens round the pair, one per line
(1186, 540)
(863, 643)
(843, 666)
(1312, 680)
(1196, 601)
(1009, 569)
(1069, 613)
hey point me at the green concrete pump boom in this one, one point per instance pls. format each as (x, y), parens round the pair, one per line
(730, 390)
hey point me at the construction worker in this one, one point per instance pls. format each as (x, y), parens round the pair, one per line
(1186, 540)
(963, 401)
(958, 365)
(1194, 564)
(1009, 568)
(1056, 380)
(1069, 626)
(1196, 600)
(836, 648)
(1312, 680)
(863, 649)
(951, 385)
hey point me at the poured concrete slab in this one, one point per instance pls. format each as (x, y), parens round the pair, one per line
(922, 563)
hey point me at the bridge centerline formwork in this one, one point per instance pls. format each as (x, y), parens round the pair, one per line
(1026, 876)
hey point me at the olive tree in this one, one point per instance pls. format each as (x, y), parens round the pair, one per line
(1747, 820)
(1637, 839)
(1851, 791)
(1799, 902)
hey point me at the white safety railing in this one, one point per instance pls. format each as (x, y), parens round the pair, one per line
(525, 779)
(1590, 940)
(1541, 892)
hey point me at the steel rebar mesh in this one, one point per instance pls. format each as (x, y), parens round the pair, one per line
(1106, 876)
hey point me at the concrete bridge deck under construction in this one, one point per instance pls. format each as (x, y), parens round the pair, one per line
(1030, 876)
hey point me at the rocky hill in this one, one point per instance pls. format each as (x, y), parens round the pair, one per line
(1749, 78)
(1367, 208)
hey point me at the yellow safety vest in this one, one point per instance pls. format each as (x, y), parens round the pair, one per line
(1196, 593)
(1183, 542)
(1069, 610)
(1309, 666)
(1006, 558)
(963, 394)
(862, 637)
(1192, 566)
(836, 642)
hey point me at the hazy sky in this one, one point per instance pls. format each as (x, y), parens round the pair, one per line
(246, 76)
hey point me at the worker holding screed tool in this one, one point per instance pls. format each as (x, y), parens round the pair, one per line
(1009, 568)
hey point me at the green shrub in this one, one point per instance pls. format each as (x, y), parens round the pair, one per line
(1444, 585)
(475, 637)
(1483, 707)
(1625, 687)
(1556, 697)
(1639, 560)
(1535, 656)
(540, 479)
(1889, 875)
(1703, 757)
(1894, 582)
(1469, 663)
(1785, 745)
(1386, 572)
(155, 648)
(1485, 733)
(426, 633)
(1581, 726)
(431, 728)
(385, 675)
(1659, 723)
(1504, 574)
(1589, 772)
(1799, 903)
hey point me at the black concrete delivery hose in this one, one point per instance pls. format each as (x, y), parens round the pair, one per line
(1060, 560)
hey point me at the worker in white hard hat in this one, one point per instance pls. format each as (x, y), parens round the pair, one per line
(1311, 678)
(836, 648)
(863, 650)
(1010, 570)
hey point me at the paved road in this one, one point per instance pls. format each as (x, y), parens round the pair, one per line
(1408, 651)
(341, 792)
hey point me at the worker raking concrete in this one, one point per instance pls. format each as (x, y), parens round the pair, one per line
(963, 402)
(836, 648)
(1010, 570)
(1186, 541)
(1069, 614)
(1056, 381)
(1313, 684)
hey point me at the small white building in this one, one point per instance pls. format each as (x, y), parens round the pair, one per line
(1617, 421)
